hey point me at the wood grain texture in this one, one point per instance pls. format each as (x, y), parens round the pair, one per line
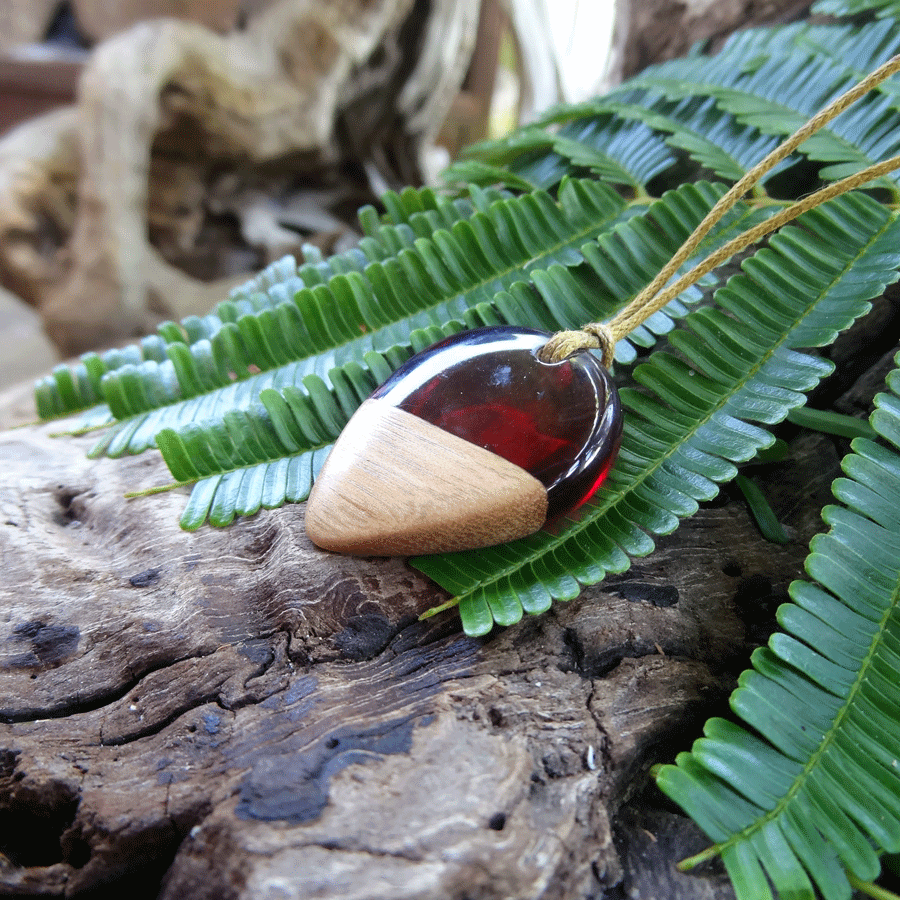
(197, 155)
(233, 714)
(396, 485)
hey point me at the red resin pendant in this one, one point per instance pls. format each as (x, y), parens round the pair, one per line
(470, 443)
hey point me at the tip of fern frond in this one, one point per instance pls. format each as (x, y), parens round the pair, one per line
(78, 432)
(157, 489)
(453, 601)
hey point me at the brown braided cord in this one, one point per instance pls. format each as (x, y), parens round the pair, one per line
(634, 314)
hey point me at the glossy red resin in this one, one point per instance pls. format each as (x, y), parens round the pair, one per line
(562, 422)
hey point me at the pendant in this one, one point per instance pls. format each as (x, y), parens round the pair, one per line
(472, 442)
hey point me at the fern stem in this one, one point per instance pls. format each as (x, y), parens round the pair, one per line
(80, 432)
(871, 890)
(704, 856)
(158, 489)
(434, 610)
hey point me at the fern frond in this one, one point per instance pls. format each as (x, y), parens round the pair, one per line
(270, 454)
(433, 281)
(882, 8)
(620, 152)
(711, 137)
(808, 796)
(857, 48)
(779, 94)
(879, 42)
(411, 214)
(613, 272)
(437, 281)
(693, 422)
(254, 460)
(765, 82)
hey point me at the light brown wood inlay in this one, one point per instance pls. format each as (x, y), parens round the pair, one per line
(396, 485)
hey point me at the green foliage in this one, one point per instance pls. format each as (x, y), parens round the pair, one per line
(563, 223)
(810, 788)
(691, 423)
(882, 8)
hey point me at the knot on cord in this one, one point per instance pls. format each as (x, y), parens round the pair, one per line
(593, 336)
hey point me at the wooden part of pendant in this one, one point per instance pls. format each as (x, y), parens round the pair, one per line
(397, 485)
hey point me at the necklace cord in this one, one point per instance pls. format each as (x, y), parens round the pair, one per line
(603, 336)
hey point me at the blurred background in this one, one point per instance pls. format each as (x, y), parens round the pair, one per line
(154, 153)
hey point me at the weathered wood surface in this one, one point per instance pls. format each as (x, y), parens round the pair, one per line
(199, 157)
(235, 714)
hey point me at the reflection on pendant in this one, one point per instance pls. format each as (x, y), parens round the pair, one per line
(470, 443)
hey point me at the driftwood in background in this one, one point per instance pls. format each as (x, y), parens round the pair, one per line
(101, 19)
(24, 21)
(203, 156)
(203, 149)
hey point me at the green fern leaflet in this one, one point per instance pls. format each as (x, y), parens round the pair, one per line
(692, 421)
(806, 797)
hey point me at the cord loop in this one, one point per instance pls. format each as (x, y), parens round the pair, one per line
(593, 336)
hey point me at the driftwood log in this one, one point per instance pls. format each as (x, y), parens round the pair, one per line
(235, 714)
(200, 156)
(240, 715)
(203, 148)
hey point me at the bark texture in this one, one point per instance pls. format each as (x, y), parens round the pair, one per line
(249, 715)
(233, 713)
